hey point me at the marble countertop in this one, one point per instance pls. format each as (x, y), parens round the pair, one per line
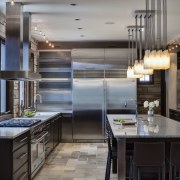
(11, 132)
(146, 127)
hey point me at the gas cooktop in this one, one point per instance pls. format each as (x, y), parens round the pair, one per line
(19, 122)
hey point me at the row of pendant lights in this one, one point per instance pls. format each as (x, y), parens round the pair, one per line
(154, 59)
(173, 46)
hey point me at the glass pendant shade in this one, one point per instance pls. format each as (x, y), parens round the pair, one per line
(157, 59)
(139, 68)
(131, 74)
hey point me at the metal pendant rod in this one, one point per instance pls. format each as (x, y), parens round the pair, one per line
(150, 32)
(164, 24)
(158, 24)
(147, 25)
(140, 39)
(136, 29)
(132, 47)
(153, 23)
(129, 49)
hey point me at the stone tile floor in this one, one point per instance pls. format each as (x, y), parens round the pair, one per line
(76, 161)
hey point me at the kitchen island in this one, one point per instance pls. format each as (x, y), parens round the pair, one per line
(157, 128)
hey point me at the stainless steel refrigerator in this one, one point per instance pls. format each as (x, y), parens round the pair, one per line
(88, 109)
(99, 87)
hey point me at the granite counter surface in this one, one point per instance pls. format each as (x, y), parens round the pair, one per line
(146, 127)
(11, 132)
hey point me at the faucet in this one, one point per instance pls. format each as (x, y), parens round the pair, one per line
(125, 104)
(136, 105)
(35, 100)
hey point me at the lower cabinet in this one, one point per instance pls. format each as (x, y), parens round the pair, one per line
(53, 127)
(174, 114)
(15, 158)
(67, 127)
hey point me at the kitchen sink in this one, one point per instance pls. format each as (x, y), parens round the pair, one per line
(44, 114)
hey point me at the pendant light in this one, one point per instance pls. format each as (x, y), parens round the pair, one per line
(158, 59)
(139, 65)
(130, 70)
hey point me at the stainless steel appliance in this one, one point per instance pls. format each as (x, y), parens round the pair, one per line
(100, 86)
(38, 135)
(88, 109)
(121, 95)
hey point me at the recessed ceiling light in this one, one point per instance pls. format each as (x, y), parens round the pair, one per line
(80, 28)
(73, 4)
(81, 35)
(77, 19)
(109, 22)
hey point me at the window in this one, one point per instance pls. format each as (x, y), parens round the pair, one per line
(146, 79)
(2, 82)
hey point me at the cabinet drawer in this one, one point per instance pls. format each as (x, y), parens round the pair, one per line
(21, 174)
(48, 147)
(20, 157)
(18, 142)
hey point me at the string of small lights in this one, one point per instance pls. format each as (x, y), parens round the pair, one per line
(36, 29)
(173, 46)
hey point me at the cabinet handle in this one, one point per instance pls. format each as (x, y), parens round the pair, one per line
(22, 156)
(22, 140)
(24, 174)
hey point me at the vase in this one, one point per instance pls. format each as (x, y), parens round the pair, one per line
(150, 112)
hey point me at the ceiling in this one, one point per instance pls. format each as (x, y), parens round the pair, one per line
(100, 20)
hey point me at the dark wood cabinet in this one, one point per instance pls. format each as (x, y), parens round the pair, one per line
(53, 127)
(15, 158)
(174, 114)
(55, 124)
(67, 127)
(178, 60)
(48, 138)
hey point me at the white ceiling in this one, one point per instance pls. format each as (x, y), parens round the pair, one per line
(56, 18)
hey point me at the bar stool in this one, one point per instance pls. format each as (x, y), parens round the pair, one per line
(149, 158)
(112, 154)
(174, 164)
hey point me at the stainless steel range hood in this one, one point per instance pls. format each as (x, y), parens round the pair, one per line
(18, 42)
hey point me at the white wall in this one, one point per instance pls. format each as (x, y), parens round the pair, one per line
(171, 76)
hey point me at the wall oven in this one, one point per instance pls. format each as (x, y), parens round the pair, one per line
(37, 149)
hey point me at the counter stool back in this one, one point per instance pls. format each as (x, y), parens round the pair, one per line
(112, 153)
(174, 163)
(149, 157)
